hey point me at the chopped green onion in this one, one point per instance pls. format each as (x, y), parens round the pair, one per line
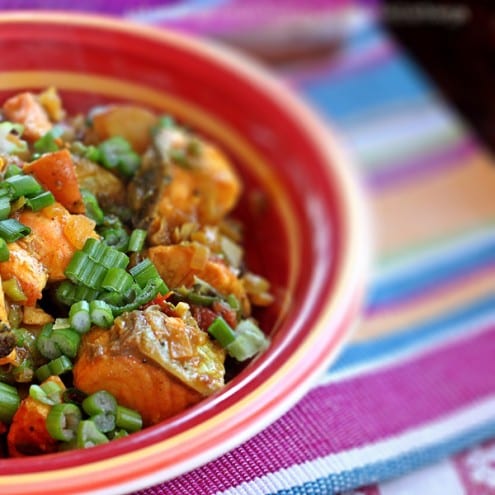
(93, 209)
(116, 434)
(145, 271)
(9, 402)
(77, 265)
(60, 365)
(43, 372)
(94, 276)
(101, 314)
(113, 298)
(11, 230)
(37, 393)
(233, 302)
(4, 250)
(48, 393)
(4, 207)
(117, 280)
(152, 288)
(90, 152)
(136, 240)
(88, 435)
(40, 201)
(128, 419)
(66, 293)
(114, 258)
(12, 170)
(47, 347)
(95, 249)
(116, 153)
(79, 317)
(100, 402)
(13, 290)
(249, 341)
(194, 297)
(23, 185)
(105, 422)
(222, 331)
(62, 421)
(47, 143)
(116, 238)
(85, 293)
(164, 122)
(67, 341)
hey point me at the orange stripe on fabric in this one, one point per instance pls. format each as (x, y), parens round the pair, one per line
(450, 298)
(439, 205)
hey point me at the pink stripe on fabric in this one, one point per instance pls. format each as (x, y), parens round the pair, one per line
(224, 17)
(353, 413)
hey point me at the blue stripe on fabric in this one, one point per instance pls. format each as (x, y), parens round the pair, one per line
(431, 275)
(445, 325)
(363, 38)
(390, 81)
(379, 471)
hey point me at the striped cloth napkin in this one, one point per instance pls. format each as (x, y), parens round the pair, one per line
(416, 385)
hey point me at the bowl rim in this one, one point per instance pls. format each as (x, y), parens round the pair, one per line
(349, 281)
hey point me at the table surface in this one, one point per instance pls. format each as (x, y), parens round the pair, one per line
(409, 405)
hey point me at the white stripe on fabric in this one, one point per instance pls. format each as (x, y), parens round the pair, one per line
(439, 478)
(459, 332)
(389, 138)
(415, 439)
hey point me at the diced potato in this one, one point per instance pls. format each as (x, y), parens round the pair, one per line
(131, 122)
(35, 316)
(31, 274)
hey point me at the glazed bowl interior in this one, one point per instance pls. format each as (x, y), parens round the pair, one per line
(299, 207)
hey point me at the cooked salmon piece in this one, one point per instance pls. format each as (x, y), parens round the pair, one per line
(167, 193)
(25, 109)
(55, 236)
(156, 364)
(178, 266)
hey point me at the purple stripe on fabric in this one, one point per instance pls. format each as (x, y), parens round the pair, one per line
(224, 16)
(357, 412)
(392, 174)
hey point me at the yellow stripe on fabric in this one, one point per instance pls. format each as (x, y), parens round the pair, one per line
(425, 209)
(393, 319)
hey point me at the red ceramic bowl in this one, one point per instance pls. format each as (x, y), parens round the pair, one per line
(301, 208)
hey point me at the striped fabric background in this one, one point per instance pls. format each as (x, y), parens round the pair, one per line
(416, 384)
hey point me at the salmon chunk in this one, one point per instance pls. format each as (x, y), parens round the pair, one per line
(25, 109)
(153, 363)
(55, 226)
